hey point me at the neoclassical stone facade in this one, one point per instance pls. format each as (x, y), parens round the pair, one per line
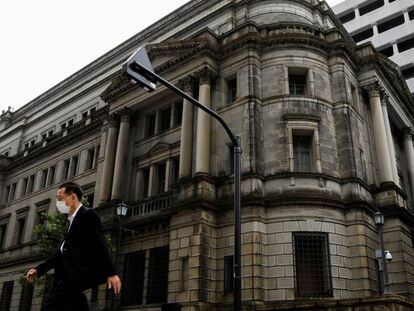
(326, 134)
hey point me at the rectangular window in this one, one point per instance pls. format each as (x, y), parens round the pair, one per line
(165, 119)
(408, 72)
(411, 14)
(6, 295)
(161, 177)
(26, 297)
(145, 180)
(13, 191)
(297, 81)
(231, 90)
(158, 275)
(3, 230)
(178, 113)
(302, 153)
(71, 122)
(30, 186)
(388, 51)
(313, 276)
(347, 17)
(395, 22)
(363, 35)
(51, 175)
(406, 45)
(24, 186)
(90, 159)
(21, 222)
(39, 221)
(65, 172)
(74, 167)
(183, 273)
(175, 171)
(84, 115)
(43, 179)
(7, 194)
(151, 120)
(228, 274)
(134, 271)
(371, 7)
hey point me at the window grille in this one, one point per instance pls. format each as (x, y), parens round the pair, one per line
(313, 276)
(134, 271)
(302, 146)
(158, 275)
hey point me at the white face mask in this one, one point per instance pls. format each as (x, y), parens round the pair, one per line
(62, 208)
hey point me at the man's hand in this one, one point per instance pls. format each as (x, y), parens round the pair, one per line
(115, 283)
(31, 275)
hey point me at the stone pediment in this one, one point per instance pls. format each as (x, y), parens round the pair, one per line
(165, 52)
(163, 56)
(159, 147)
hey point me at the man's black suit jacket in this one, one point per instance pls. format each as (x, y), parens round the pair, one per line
(85, 261)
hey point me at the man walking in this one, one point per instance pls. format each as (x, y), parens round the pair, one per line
(82, 260)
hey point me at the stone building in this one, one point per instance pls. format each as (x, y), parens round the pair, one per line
(326, 133)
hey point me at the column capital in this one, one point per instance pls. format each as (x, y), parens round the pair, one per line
(113, 120)
(408, 133)
(206, 75)
(384, 96)
(125, 115)
(187, 84)
(374, 89)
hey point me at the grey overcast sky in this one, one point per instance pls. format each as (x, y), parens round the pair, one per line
(45, 41)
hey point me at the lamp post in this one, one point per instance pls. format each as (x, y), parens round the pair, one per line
(379, 222)
(121, 211)
(138, 67)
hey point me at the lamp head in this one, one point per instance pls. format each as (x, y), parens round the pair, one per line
(379, 219)
(388, 256)
(131, 68)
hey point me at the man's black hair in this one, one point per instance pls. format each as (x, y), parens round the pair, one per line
(72, 188)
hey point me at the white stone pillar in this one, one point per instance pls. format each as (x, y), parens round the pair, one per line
(151, 182)
(186, 142)
(121, 154)
(311, 78)
(406, 17)
(286, 78)
(375, 29)
(380, 137)
(395, 48)
(167, 175)
(203, 125)
(409, 153)
(356, 10)
(390, 141)
(109, 161)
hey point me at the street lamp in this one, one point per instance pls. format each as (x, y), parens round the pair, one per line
(381, 254)
(138, 67)
(121, 211)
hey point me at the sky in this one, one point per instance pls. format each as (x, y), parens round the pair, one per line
(45, 41)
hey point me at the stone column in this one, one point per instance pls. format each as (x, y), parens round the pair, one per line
(121, 155)
(409, 153)
(186, 142)
(151, 182)
(375, 29)
(203, 125)
(167, 175)
(109, 161)
(380, 136)
(390, 140)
